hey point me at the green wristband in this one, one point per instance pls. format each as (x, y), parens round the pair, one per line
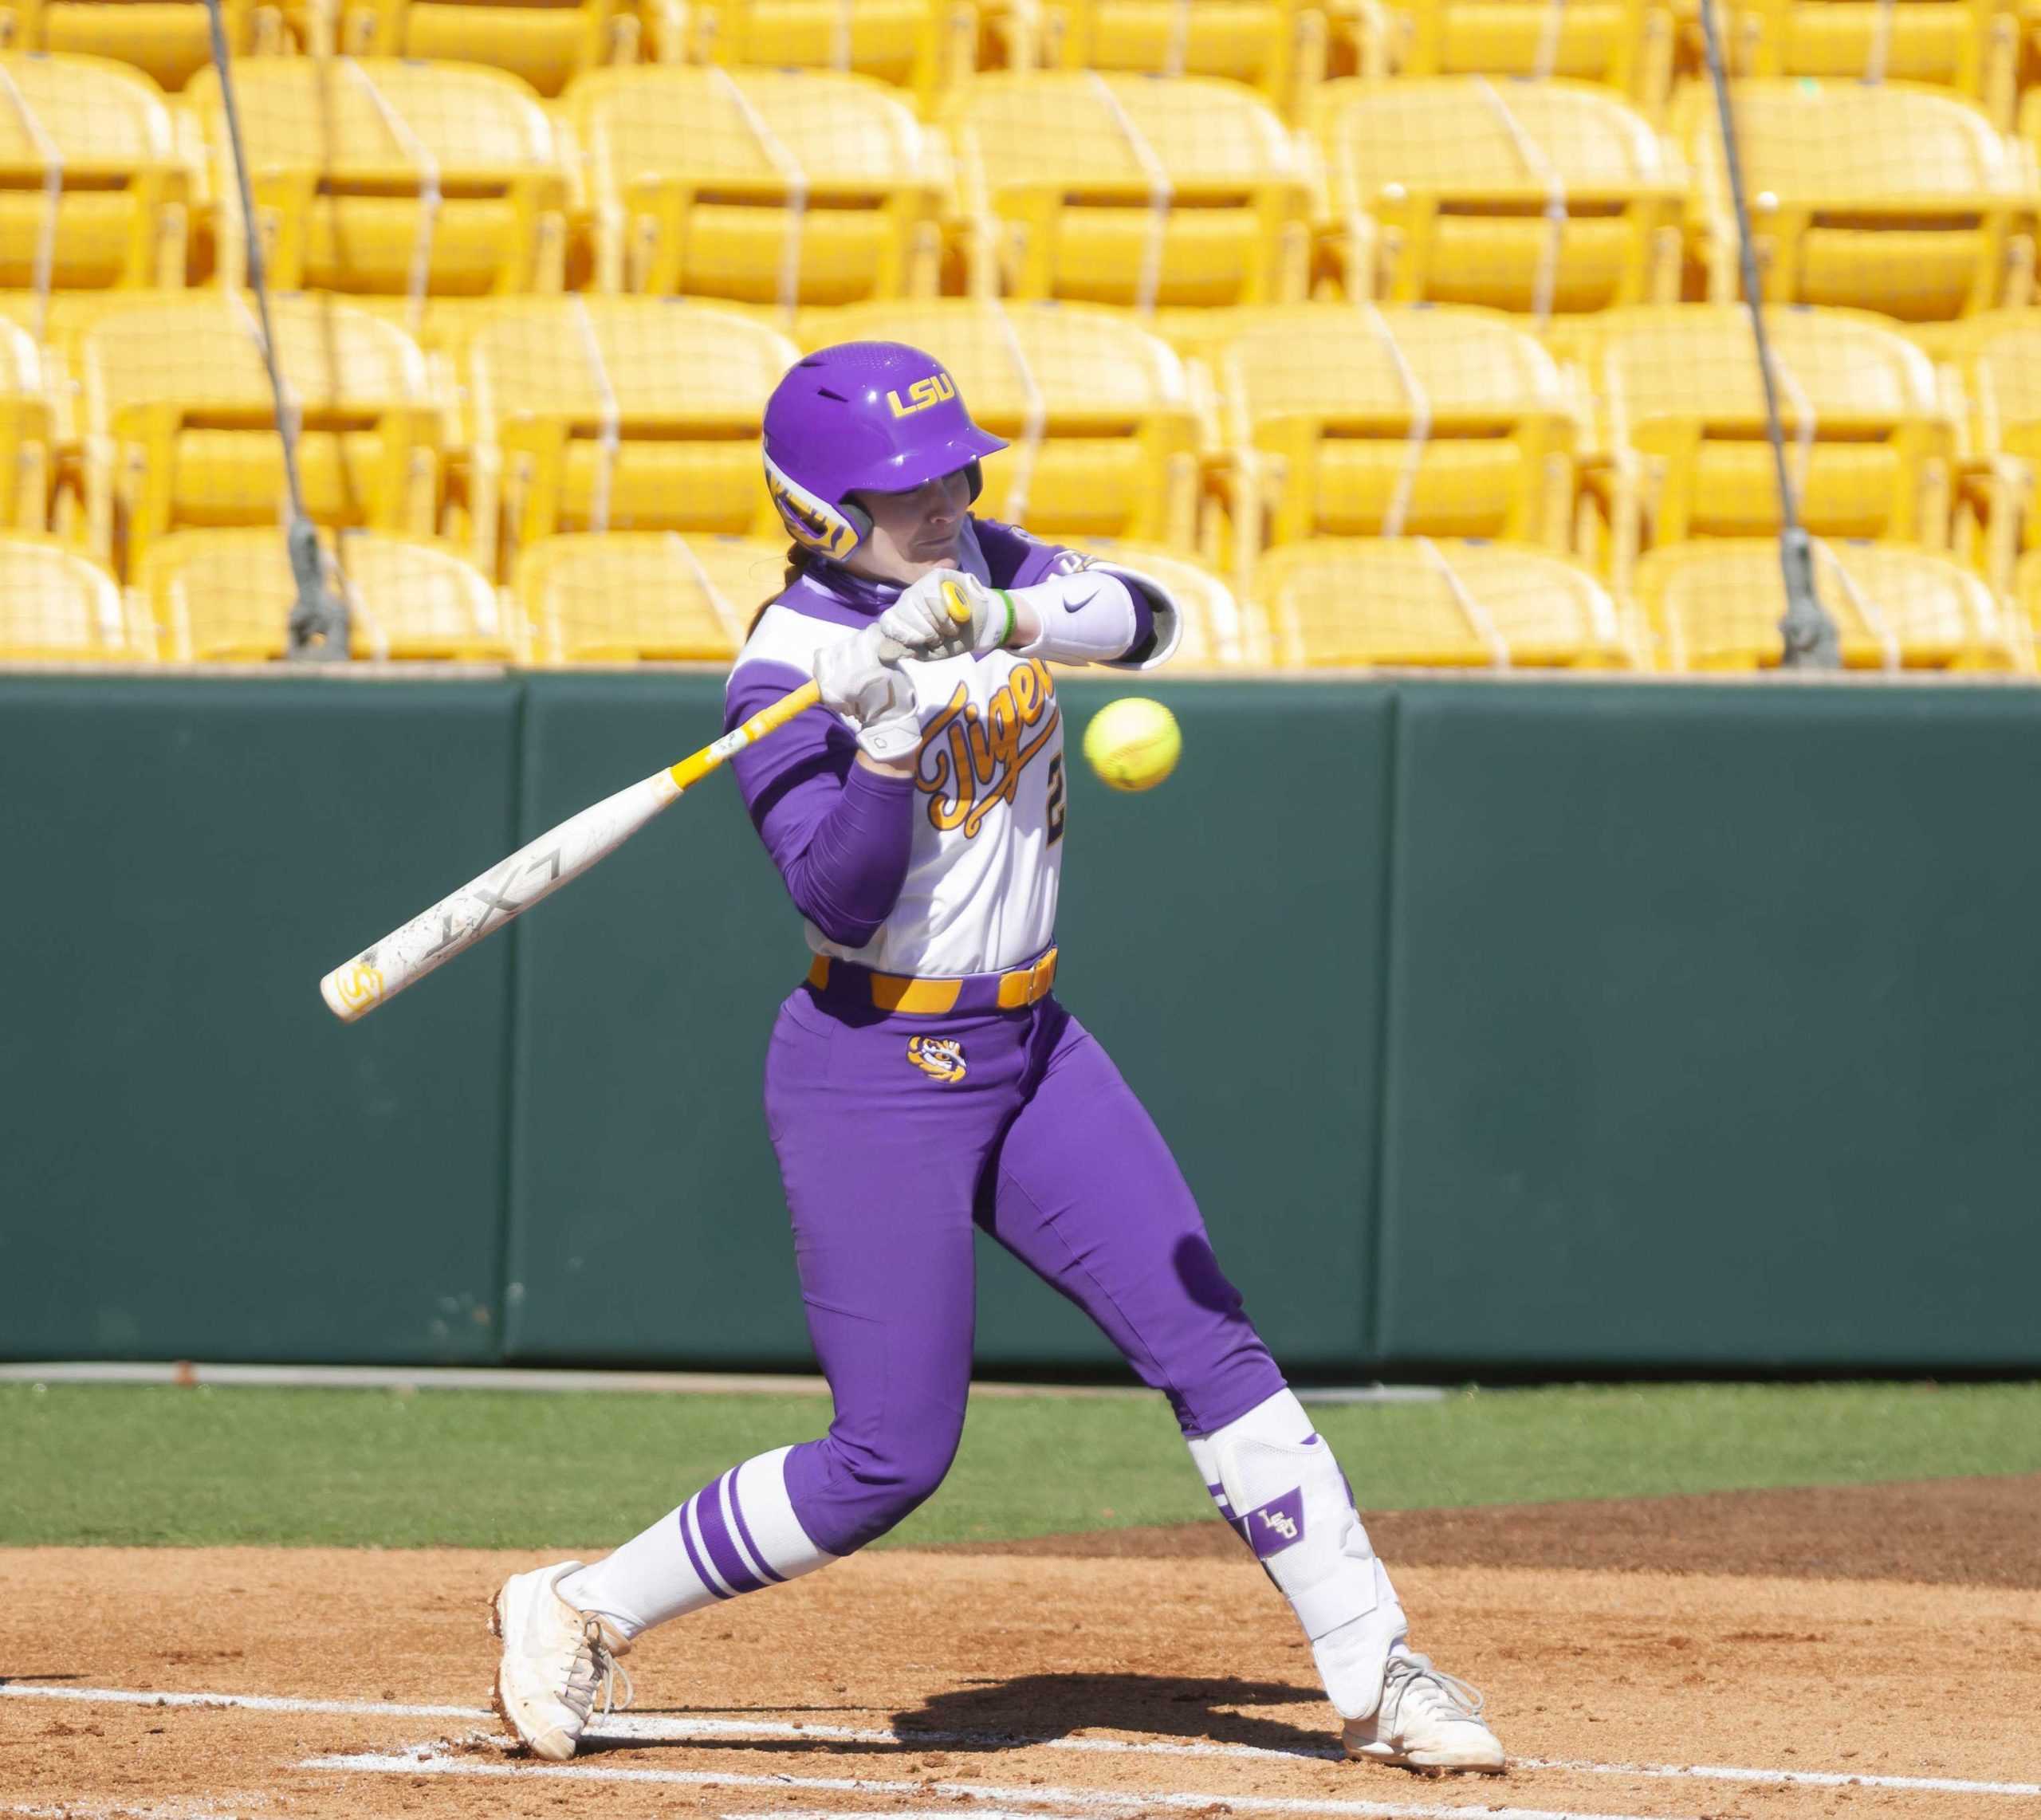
(1006, 637)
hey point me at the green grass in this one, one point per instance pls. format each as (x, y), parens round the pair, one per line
(100, 1464)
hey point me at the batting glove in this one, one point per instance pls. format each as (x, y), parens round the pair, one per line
(861, 679)
(924, 619)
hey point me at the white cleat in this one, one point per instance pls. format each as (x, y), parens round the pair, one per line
(1427, 1720)
(556, 1660)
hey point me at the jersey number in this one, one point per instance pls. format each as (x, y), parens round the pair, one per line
(1056, 800)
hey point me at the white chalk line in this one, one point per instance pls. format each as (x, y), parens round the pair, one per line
(651, 1727)
(424, 1760)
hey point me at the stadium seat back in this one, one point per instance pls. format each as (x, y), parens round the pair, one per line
(920, 46)
(225, 596)
(1887, 196)
(1132, 189)
(1335, 602)
(1276, 47)
(177, 398)
(1460, 175)
(624, 413)
(372, 174)
(55, 606)
(636, 595)
(120, 217)
(1717, 606)
(1439, 420)
(168, 41)
(1868, 442)
(545, 45)
(1098, 411)
(797, 185)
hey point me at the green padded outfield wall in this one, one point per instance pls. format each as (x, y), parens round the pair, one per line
(1714, 1028)
(646, 1220)
(1508, 1028)
(199, 1162)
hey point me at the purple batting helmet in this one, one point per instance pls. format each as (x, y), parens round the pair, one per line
(863, 414)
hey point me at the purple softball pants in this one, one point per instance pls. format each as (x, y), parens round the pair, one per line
(887, 1165)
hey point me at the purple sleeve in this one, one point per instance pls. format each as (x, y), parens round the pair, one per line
(1015, 560)
(838, 832)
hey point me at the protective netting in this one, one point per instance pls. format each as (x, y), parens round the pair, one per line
(1398, 333)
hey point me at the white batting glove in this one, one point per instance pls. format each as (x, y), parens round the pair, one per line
(923, 619)
(861, 680)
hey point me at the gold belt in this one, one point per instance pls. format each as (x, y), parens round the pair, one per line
(1012, 991)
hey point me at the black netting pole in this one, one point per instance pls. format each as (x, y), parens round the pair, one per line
(319, 617)
(1810, 634)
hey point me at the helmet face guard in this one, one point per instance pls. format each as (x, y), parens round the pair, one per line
(862, 416)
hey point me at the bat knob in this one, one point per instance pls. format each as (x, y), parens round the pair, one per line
(960, 608)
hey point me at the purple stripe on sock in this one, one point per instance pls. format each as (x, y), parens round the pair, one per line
(1218, 1494)
(716, 1537)
(744, 1533)
(694, 1560)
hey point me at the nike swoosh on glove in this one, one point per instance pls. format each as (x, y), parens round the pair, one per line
(871, 690)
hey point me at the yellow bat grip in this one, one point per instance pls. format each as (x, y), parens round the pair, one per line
(697, 765)
(960, 608)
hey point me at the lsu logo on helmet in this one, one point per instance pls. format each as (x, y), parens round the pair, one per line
(937, 388)
(940, 1056)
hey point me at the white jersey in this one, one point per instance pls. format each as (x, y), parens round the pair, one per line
(981, 891)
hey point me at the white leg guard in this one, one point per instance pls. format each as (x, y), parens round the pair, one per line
(1276, 1482)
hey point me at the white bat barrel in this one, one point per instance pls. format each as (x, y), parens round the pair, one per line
(484, 905)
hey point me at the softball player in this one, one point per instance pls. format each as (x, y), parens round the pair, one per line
(924, 1078)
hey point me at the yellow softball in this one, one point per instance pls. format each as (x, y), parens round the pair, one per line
(1133, 744)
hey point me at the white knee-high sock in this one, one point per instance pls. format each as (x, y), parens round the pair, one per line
(736, 1535)
(1275, 1480)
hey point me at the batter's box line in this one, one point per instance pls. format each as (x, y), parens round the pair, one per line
(649, 1728)
(1086, 1804)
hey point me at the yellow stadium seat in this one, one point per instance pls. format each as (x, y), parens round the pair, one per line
(180, 422)
(168, 41)
(27, 434)
(1413, 601)
(1627, 45)
(89, 176)
(1869, 444)
(782, 186)
(1437, 420)
(1141, 190)
(1971, 46)
(619, 413)
(375, 174)
(1995, 362)
(923, 46)
(226, 597)
(1887, 197)
(1716, 606)
(1104, 438)
(55, 606)
(546, 43)
(1276, 47)
(2026, 592)
(1536, 196)
(644, 595)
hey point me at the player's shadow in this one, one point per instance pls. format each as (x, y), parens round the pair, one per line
(1029, 1711)
(1012, 1714)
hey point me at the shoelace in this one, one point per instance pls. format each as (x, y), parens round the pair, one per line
(1410, 1675)
(603, 1672)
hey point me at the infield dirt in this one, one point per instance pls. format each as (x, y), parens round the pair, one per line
(1880, 1632)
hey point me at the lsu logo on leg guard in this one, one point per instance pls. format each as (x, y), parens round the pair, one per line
(940, 1056)
(1277, 1524)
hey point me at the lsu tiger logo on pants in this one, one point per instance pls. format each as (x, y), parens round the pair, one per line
(940, 1056)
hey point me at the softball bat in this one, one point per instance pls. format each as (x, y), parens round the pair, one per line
(538, 869)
